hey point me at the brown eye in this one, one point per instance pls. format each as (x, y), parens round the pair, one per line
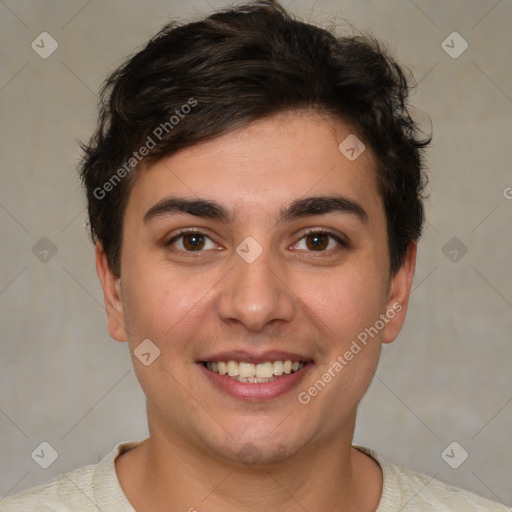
(320, 241)
(193, 242)
(317, 241)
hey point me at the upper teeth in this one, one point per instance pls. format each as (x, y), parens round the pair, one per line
(249, 370)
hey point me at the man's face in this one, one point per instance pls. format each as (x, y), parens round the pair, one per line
(267, 244)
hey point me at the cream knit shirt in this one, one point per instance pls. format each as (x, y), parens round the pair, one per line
(95, 488)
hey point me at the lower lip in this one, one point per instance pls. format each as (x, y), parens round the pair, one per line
(258, 391)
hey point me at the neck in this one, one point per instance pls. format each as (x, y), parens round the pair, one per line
(162, 472)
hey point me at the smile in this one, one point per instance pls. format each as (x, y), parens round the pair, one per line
(254, 373)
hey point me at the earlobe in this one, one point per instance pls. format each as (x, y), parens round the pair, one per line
(398, 297)
(112, 295)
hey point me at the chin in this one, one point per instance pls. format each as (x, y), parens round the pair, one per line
(255, 453)
(261, 445)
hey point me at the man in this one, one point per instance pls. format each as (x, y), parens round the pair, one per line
(255, 196)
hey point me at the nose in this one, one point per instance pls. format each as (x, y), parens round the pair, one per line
(256, 295)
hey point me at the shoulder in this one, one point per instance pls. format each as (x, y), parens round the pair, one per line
(408, 491)
(68, 492)
(93, 488)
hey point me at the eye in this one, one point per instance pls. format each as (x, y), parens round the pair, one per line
(319, 241)
(192, 241)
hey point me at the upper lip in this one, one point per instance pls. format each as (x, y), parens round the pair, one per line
(254, 357)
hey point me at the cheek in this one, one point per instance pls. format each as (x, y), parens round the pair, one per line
(164, 305)
(346, 302)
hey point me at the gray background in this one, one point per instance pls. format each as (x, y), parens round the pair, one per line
(447, 377)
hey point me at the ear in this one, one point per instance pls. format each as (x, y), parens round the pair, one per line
(111, 285)
(398, 296)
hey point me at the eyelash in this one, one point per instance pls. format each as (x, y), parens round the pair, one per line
(340, 241)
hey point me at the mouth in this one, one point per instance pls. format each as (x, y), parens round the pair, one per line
(255, 373)
(255, 378)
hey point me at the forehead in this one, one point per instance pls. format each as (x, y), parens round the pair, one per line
(265, 165)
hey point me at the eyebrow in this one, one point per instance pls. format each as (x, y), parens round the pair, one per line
(210, 209)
